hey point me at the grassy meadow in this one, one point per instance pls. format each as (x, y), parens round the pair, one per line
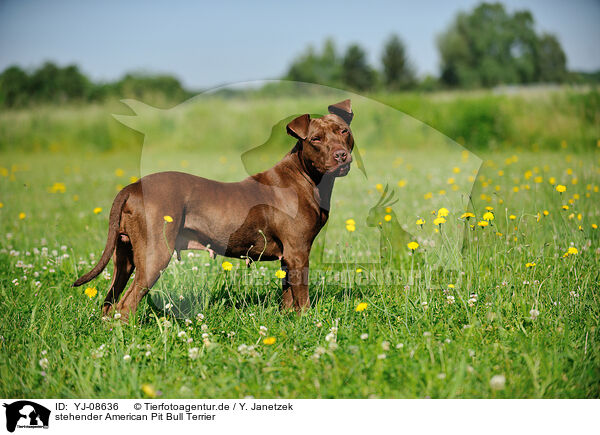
(515, 316)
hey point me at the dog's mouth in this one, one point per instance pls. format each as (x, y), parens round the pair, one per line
(341, 170)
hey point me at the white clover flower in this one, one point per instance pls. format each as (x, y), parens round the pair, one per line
(497, 382)
(381, 356)
(181, 334)
(204, 327)
(450, 299)
(385, 345)
(364, 336)
(117, 315)
(193, 352)
(534, 313)
(148, 353)
(399, 345)
(200, 317)
(126, 357)
(43, 363)
(168, 306)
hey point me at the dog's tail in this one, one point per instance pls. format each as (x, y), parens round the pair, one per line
(113, 233)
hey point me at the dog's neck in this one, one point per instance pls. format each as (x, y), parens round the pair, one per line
(322, 184)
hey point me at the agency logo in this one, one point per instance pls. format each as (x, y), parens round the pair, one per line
(24, 414)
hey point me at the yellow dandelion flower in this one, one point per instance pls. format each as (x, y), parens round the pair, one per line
(361, 307)
(488, 216)
(269, 341)
(594, 226)
(379, 187)
(420, 222)
(412, 246)
(22, 215)
(133, 179)
(280, 274)
(439, 221)
(451, 180)
(561, 188)
(579, 217)
(442, 212)
(359, 270)
(512, 217)
(98, 210)
(565, 207)
(552, 180)
(538, 179)
(91, 292)
(168, 218)
(572, 250)
(387, 218)
(450, 285)
(1, 204)
(350, 228)
(483, 223)
(456, 170)
(528, 265)
(401, 183)
(428, 195)
(227, 266)
(149, 390)
(467, 215)
(546, 212)
(119, 172)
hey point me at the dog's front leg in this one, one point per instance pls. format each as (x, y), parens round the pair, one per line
(295, 282)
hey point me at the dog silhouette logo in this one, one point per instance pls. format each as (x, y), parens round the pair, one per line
(26, 414)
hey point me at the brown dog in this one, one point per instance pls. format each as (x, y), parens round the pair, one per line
(273, 215)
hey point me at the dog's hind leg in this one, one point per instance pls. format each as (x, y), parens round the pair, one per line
(150, 256)
(123, 268)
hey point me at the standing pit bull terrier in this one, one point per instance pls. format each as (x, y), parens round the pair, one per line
(273, 215)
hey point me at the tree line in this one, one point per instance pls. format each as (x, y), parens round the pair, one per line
(54, 84)
(485, 47)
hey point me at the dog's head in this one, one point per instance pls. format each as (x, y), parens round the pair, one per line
(326, 143)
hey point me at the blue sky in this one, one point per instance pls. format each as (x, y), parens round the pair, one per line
(208, 45)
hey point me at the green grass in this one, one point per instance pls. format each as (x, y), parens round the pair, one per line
(413, 349)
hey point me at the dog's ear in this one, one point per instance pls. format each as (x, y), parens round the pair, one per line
(298, 128)
(343, 109)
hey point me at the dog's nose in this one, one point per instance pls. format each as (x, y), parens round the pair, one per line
(340, 156)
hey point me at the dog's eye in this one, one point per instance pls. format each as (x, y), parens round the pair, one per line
(316, 139)
(344, 131)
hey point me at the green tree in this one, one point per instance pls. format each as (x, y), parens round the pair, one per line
(397, 71)
(489, 46)
(551, 60)
(356, 72)
(313, 67)
(14, 87)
